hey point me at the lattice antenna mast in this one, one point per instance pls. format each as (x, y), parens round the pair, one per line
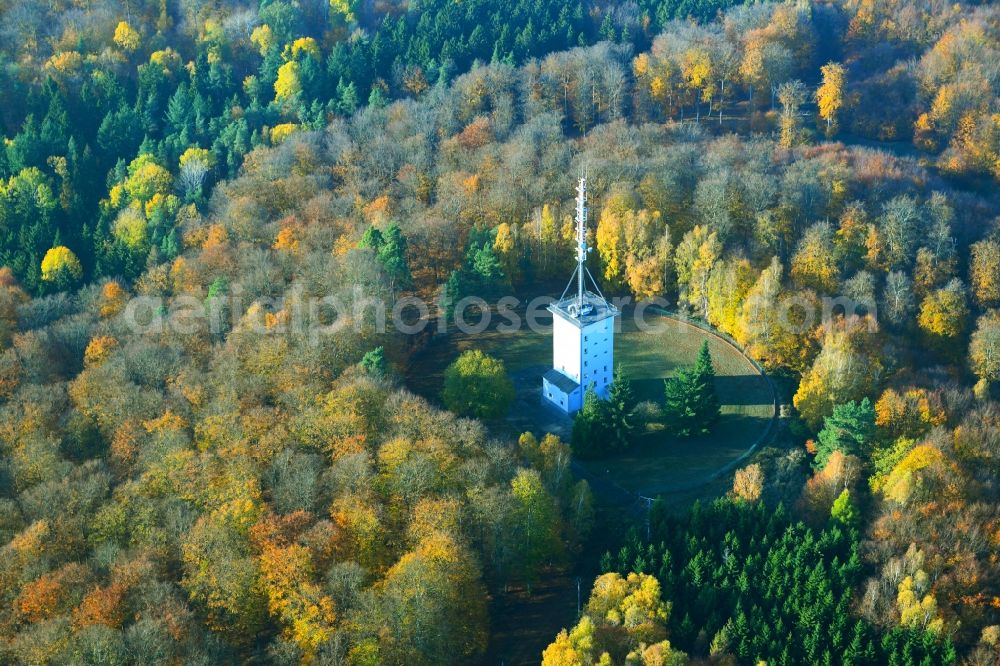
(581, 238)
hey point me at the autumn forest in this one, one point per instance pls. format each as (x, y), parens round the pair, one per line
(816, 182)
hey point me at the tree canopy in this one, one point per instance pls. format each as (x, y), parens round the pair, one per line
(259, 485)
(692, 405)
(477, 385)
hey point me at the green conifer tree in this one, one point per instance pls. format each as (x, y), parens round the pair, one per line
(372, 239)
(850, 430)
(621, 408)
(373, 362)
(843, 510)
(390, 248)
(590, 432)
(392, 254)
(692, 405)
(679, 410)
(708, 406)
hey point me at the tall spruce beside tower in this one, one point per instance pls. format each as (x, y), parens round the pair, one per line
(692, 405)
(709, 406)
(603, 427)
(621, 411)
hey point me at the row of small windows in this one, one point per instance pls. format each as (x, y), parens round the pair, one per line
(605, 351)
(605, 336)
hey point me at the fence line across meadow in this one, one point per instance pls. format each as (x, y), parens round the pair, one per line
(775, 400)
(763, 437)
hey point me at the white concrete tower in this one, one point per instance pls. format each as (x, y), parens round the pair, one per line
(583, 331)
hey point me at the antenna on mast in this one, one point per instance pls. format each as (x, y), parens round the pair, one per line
(581, 239)
(585, 302)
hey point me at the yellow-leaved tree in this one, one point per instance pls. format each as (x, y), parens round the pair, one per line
(848, 367)
(126, 37)
(911, 473)
(282, 131)
(634, 247)
(99, 349)
(944, 317)
(728, 286)
(60, 266)
(505, 246)
(303, 46)
(748, 484)
(346, 9)
(917, 605)
(436, 584)
(694, 259)
(263, 38)
(624, 622)
(146, 177)
(791, 94)
(984, 272)
(984, 350)
(130, 228)
(699, 76)
(814, 264)
(830, 95)
(287, 84)
(288, 577)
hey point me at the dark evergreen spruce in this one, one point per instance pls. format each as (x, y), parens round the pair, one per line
(692, 405)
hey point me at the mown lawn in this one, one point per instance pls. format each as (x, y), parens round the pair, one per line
(659, 462)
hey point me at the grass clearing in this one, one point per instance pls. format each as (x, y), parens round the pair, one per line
(659, 463)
